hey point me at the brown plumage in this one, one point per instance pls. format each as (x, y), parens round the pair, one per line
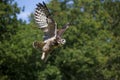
(52, 36)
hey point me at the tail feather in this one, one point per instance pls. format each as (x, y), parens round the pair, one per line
(38, 45)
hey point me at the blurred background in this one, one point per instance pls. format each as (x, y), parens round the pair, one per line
(92, 51)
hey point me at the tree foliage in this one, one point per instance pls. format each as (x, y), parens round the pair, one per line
(8, 18)
(92, 48)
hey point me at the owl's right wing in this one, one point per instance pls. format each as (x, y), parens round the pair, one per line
(44, 20)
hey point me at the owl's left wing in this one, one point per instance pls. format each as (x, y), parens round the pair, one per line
(61, 31)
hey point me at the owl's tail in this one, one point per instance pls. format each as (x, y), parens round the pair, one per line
(38, 45)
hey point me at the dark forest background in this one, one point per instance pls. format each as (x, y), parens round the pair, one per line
(92, 51)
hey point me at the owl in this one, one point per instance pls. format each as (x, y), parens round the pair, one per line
(52, 35)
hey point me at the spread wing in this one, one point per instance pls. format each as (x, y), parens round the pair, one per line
(44, 20)
(61, 31)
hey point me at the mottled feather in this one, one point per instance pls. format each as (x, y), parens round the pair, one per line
(44, 20)
(61, 31)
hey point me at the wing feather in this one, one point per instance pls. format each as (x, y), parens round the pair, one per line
(61, 31)
(44, 20)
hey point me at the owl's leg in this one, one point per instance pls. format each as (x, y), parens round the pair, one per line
(45, 50)
(43, 56)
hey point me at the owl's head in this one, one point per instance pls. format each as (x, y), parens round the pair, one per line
(61, 41)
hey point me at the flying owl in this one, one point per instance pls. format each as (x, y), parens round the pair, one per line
(52, 36)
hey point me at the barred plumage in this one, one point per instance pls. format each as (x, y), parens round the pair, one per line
(52, 36)
(44, 20)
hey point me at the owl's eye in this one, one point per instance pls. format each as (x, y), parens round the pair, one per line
(63, 41)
